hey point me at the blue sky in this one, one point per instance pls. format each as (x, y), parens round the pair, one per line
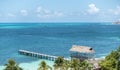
(59, 10)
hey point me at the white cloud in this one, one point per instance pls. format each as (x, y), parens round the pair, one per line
(24, 12)
(93, 9)
(41, 10)
(115, 11)
(45, 13)
(11, 15)
(58, 14)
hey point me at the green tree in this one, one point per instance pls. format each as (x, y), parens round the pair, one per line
(118, 50)
(11, 65)
(111, 61)
(66, 64)
(84, 65)
(74, 65)
(108, 64)
(113, 54)
(44, 66)
(118, 61)
(118, 65)
(58, 64)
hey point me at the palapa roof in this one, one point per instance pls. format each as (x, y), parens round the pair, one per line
(81, 49)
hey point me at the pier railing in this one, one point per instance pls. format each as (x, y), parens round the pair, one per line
(38, 55)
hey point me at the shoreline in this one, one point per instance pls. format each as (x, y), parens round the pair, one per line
(34, 64)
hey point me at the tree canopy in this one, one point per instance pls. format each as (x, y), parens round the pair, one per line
(12, 65)
(111, 61)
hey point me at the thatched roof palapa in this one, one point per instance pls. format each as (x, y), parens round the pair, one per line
(82, 49)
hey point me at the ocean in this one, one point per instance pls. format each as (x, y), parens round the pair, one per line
(56, 39)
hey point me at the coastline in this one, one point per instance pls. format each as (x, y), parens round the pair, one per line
(34, 65)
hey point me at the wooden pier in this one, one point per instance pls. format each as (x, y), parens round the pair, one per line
(38, 55)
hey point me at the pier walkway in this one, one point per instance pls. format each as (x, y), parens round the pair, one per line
(38, 55)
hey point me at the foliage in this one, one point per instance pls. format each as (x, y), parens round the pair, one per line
(111, 61)
(84, 65)
(108, 64)
(118, 50)
(12, 65)
(44, 66)
(58, 64)
(113, 54)
(73, 64)
(66, 64)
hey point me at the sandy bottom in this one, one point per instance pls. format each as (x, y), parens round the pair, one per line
(32, 65)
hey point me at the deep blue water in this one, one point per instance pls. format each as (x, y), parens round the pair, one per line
(56, 38)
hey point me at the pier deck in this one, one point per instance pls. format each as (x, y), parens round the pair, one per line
(38, 55)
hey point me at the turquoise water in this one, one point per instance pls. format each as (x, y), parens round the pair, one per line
(56, 38)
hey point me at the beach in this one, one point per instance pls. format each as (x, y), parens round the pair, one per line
(32, 65)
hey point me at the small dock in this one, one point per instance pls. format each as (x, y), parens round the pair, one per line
(37, 55)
